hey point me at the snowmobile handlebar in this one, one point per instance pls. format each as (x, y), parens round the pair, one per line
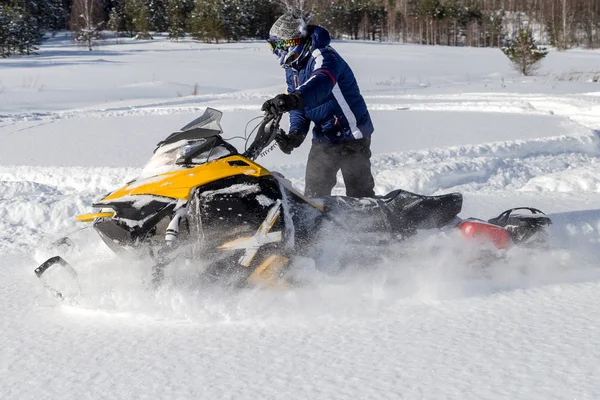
(265, 134)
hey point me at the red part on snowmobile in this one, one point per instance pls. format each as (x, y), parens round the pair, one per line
(480, 230)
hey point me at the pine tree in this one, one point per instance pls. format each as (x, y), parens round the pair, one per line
(205, 21)
(158, 15)
(117, 21)
(51, 15)
(233, 21)
(4, 31)
(258, 16)
(20, 31)
(176, 19)
(376, 15)
(524, 53)
(137, 12)
(142, 22)
(15, 30)
(31, 34)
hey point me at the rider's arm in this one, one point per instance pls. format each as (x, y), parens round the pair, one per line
(299, 123)
(326, 71)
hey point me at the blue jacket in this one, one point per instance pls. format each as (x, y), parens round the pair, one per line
(332, 99)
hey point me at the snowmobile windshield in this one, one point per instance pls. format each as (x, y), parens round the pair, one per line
(185, 154)
(209, 120)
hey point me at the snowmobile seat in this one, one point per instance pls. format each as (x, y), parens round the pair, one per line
(410, 211)
(398, 212)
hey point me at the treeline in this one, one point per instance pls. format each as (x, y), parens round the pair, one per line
(23, 23)
(205, 20)
(561, 23)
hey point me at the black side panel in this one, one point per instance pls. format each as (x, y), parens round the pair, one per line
(115, 235)
(234, 208)
(131, 226)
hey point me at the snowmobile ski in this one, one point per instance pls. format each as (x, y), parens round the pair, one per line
(47, 265)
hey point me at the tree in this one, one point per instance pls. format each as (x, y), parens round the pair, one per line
(5, 21)
(86, 21)
(31, 35)
(176, 19)
(205, 22)
(117, 21)
(259, 16)
(54, 15)
(375, 18)
(158, 15)
(524, 53)
(137, 12)
(20, 31)
(351, 14)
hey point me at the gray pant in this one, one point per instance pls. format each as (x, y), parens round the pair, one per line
(353, 158)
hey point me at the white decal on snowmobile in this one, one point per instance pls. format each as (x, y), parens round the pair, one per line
(260, 238)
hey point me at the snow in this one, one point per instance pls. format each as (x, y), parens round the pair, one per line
(75, 125)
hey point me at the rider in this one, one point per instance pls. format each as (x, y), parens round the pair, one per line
(321, 88)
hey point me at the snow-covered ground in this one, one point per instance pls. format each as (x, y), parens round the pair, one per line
(76, 124)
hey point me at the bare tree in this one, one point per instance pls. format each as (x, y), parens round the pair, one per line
(86, 21)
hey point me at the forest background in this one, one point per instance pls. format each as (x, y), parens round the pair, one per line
(24, 24)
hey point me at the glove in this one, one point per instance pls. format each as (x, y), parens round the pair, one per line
(283, 103)
(287, 143)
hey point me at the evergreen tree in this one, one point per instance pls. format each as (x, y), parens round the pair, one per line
(30, 34)
(234, 26)
(20, 31)
(137, 12)
(376, 16)
(176, 18)
(54, 16)
(4, 31)
(333, 18)
(205, 21)
(524, 54)
(258, 16)
(49, 14)
(15, 30)
(117, 20)
(158, 15)
(354, 12)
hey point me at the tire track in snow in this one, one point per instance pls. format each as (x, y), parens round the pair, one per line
(579, 108)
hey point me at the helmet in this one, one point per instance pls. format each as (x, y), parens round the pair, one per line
(289, 40)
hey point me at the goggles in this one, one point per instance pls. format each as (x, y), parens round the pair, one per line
(279, 44)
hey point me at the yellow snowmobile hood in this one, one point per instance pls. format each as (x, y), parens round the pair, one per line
(179, 184)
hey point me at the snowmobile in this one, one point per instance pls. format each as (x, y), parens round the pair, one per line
(199, 199)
